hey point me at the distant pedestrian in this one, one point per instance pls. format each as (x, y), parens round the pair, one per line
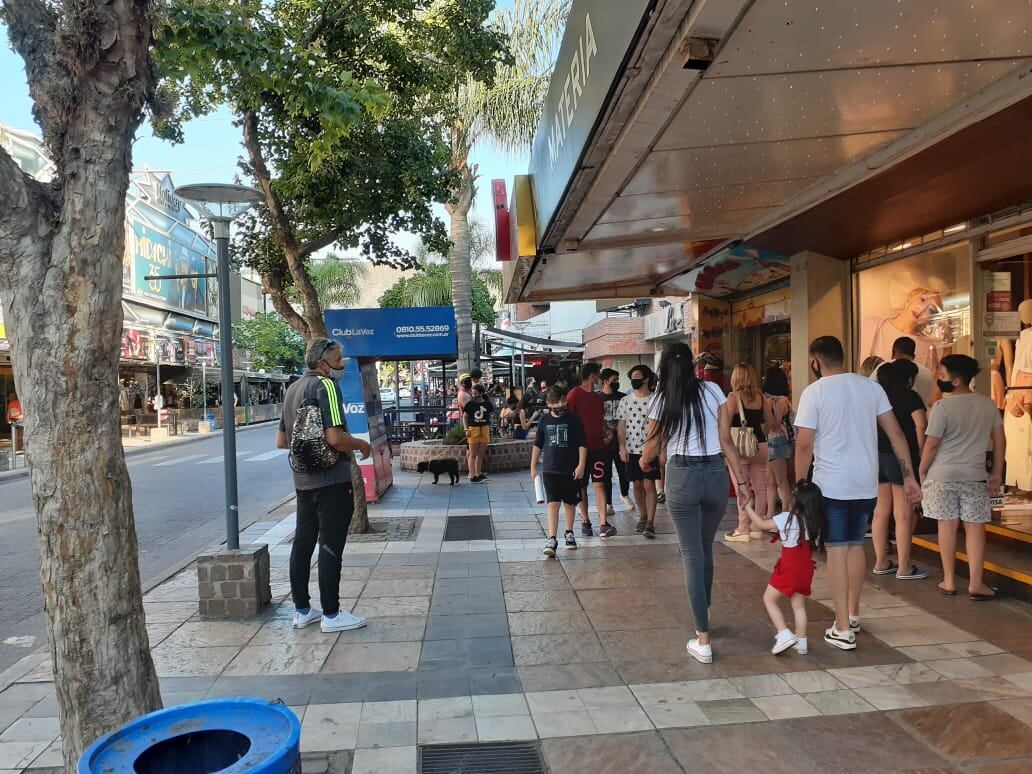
(528, 416)
(465, 391)
(801, 533)
(837, 430)
(562, 450)
(476, 418)
(611, 397)
(870, 365)
(953, 469)
(14, 410)
(586, 404)
(325, 498)
(689, 419)
(897, 379)
(780, 438)
(632, 427)
(905, 348)
(748, 410)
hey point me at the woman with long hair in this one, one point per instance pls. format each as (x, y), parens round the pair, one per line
(689, 419)
(748, 409)
(779, 438)
(528, 416)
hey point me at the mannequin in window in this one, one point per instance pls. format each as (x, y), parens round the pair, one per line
(1017, 421)
(1001, 369)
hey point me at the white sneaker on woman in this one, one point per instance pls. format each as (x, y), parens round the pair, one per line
(702, 653)
(342, 622)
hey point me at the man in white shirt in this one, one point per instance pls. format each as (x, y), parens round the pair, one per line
(905, 348)
(837, 430)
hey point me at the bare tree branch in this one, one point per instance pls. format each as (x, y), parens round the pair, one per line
(32, 27)
(29, 207)
(272, 282)
(319, 243)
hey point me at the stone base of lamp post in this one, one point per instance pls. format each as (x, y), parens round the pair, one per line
(234, 584)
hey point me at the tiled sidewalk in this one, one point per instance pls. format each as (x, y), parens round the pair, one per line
(490, 641)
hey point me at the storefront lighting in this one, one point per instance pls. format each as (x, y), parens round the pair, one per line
(954, 229)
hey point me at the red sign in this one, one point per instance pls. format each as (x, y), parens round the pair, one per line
(998, 301)
(503, 239)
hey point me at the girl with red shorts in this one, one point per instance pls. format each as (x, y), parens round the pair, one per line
(801, 532)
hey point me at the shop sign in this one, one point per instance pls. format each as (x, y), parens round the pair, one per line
(760, 310)
(997, 286)
(156, 253)
(1001, 325)
(667, 322)
(592, 52)
(404, 334)
(735, 270)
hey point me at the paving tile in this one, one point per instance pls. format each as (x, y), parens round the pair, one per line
(945, 692)
(567, 676)
(812, 681)
(373, 657)
(388, 629)
(284, 659)
(844, 702)
(1005, 664)
(180, 660)
(414, 587)
(379, 607)
(555, 724)
(890, 697)
(910, 673)
(540, 601)
(619, 720)
(386, 734)
(708, 690)
(861, 677)
(537, 649)
(499, 705)
(1019, 708)
(32, 730)
(987, 731)
(994, 688)
(676, 715)
(731, 711)
(639, 752)
(555, 701)
(503, 728)
(783, 707)
(760, 685)
(447, 730)
(493, 680)
(1021, 680)
(442, 709)
(389, 711)
(960, 668)
(52, 757)
(389, 760)
(602, 698)
(327, 727)
(17, 755)
(567, 622)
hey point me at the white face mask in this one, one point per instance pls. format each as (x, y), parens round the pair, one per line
(336, 373)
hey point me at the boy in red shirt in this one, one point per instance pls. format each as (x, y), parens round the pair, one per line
(586, 405)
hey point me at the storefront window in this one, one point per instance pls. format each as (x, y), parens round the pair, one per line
(926, 297)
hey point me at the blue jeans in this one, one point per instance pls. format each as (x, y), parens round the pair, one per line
(847, 521)
(696, 491)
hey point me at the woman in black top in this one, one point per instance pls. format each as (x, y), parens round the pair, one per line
(897, 378)
(745, 392)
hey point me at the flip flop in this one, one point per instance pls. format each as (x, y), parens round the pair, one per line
(947, 592)
(982, 597)
(890, 570)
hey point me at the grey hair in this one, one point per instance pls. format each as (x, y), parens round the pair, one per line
(317, 350)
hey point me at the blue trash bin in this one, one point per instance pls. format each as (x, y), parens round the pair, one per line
(222, 735)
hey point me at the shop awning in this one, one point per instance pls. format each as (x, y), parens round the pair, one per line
(555, 346)
(784, 125)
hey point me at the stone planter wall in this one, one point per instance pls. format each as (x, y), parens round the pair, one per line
(501, 455)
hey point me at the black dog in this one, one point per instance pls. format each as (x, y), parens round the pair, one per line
(439, 468)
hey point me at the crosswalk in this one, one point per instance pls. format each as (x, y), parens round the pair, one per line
(215, 459)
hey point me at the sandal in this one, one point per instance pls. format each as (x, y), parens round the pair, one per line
(892, 569)
(640, 526)
(983, 597)
(946, 592)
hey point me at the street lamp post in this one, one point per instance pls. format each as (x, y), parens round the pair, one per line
(219, 204)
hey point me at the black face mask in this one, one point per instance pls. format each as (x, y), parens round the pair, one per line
(816, 369)
(614, 386)
(945, 386)
(636, 384)
(558, 412)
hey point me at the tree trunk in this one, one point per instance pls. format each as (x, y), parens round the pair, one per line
(61, 286)
(459, 255)
(360, 518)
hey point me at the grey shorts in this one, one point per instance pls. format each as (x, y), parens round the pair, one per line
(778, 448)
(951, 500)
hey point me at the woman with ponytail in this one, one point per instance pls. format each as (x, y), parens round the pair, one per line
(690, 424)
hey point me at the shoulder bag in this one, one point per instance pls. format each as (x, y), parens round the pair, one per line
(745, 439)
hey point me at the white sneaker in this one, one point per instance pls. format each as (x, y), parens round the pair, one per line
(801, 646)
(854, 623)
(783, 641)
(628, 503)
(702, 653)
(342, 622)
(842, 640)
(301, 620)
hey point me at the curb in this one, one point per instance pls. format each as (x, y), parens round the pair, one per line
(19, 669)
(15, 475)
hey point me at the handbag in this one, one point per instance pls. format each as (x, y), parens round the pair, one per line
(745, 439)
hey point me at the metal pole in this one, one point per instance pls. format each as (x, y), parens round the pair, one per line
(204, 391)
(159, 398)
(221, 231)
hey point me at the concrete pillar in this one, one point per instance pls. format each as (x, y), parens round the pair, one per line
(821, 306)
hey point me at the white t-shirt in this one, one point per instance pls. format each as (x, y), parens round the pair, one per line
(924, 382)
(634, 411)
(843, 412)
(788, 530)
(690, 444)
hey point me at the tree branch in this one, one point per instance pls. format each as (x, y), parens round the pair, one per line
(319, 243)
(273, 283)
(32, 27)
(28, 218)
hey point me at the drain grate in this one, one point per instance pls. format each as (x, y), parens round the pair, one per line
(509, 758)
(477, 527)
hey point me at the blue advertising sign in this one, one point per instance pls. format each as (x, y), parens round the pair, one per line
(419, 333)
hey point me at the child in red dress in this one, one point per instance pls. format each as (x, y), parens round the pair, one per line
(801, 532)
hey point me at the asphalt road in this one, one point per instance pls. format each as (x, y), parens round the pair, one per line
(179, 504)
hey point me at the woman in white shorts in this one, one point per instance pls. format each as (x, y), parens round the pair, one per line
(957, 485)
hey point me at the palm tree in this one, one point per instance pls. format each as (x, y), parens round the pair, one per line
(337, 282)
(506, 113)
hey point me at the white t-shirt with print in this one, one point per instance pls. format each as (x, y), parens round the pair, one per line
(690, 444)
(788, 530)
(843, 412)
(634, 411)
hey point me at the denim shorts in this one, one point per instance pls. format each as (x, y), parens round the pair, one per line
(778, 447)
(847, 521)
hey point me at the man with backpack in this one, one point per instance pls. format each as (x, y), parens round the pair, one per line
(313, 427)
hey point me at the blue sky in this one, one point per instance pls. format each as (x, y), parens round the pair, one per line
(213, 144)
